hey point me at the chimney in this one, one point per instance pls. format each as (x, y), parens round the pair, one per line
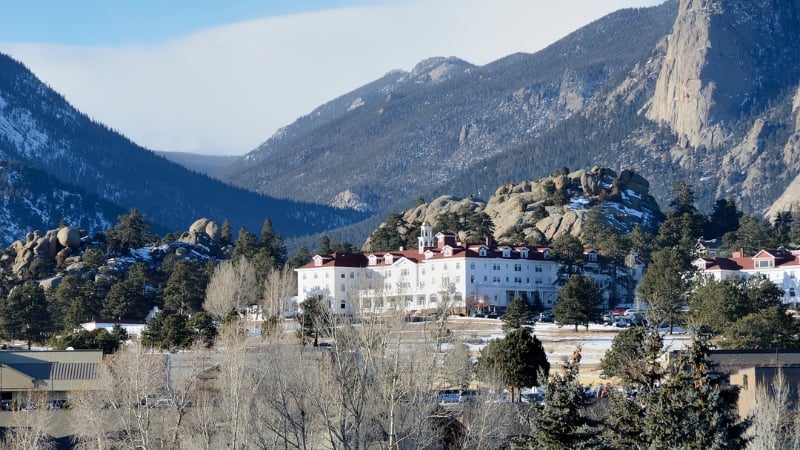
(401, 248)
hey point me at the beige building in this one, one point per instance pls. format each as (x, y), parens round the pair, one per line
(36, 376)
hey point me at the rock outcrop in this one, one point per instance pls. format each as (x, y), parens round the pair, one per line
(697, 94)
(54, 246)
(624, 201)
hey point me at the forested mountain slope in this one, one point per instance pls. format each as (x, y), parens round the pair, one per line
(413, 132)
(698, 90)
(39, 128)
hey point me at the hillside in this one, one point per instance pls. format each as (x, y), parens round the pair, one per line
(209, 165)
(40, 129)
(33, 200)
(411, 133)
(699, 90)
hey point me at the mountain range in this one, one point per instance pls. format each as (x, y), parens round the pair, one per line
(706, 91)
(41, 131)
(700, 90)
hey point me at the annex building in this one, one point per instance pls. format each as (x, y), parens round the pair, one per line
(441, 274)
(781, 267)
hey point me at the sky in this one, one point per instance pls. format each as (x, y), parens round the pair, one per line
(221, 77)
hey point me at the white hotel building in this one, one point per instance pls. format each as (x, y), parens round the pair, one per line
(440, 274)
(781, 267)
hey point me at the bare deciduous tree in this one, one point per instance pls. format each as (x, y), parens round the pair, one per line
(119, 411)
(233, 286)
(279, 286)
(773, 426)
(29, 431)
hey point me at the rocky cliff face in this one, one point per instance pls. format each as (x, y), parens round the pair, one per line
(624, 201)
(724, 58)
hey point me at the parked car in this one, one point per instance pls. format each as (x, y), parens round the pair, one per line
(546, 316)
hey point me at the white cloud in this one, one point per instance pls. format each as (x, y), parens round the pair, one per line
(227, 89)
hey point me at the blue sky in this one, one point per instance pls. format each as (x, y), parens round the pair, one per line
(220, 77)
(135, 22)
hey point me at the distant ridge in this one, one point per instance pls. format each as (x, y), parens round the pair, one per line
(209, 165)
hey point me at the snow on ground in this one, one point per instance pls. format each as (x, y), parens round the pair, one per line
(559, 342)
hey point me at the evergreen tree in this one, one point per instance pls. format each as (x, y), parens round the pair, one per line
(479, 226)
(167, 331)
(782, 226)
(24, 314)
(558, 423)
(246, 245)
(767, 328)
(634, 358)
(723, 219)
(449, 221)
(226, 233)
(579, 302)
(301, 258)
(324, 246)
(132, 230)
(718, 304)
(203, 328)
(643, 243)
(388, 236)
(517, 314)
(752, 235)
(61, 298)
(186, 287)
(313, 319)
(665, 285)
(568, 249)
(519, 359)
(690, 411)
(273, 244)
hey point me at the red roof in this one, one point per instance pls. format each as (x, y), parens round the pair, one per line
(781, 258)
(471, 251)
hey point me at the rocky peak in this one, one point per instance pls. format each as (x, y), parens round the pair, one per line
(724, 59)
(624, 200)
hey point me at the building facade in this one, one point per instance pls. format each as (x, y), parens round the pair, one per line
(441, 274)
(781, 267)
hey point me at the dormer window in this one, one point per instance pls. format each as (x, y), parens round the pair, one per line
(447, 251)
(428, 254)
(482, 251)
(764, 263)
(317, 261)
(388, 258)
(373, 260)
(507, 252)
(592, 257)
(523, 253)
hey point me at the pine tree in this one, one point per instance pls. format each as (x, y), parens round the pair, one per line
(518, 359)
(226, 233)
(132, 230)
(690, 411)
(24, 314)
(578, 302)
(558, 423)
(517, 314)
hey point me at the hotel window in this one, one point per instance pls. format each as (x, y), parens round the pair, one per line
(764, 264)
(517, 267)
